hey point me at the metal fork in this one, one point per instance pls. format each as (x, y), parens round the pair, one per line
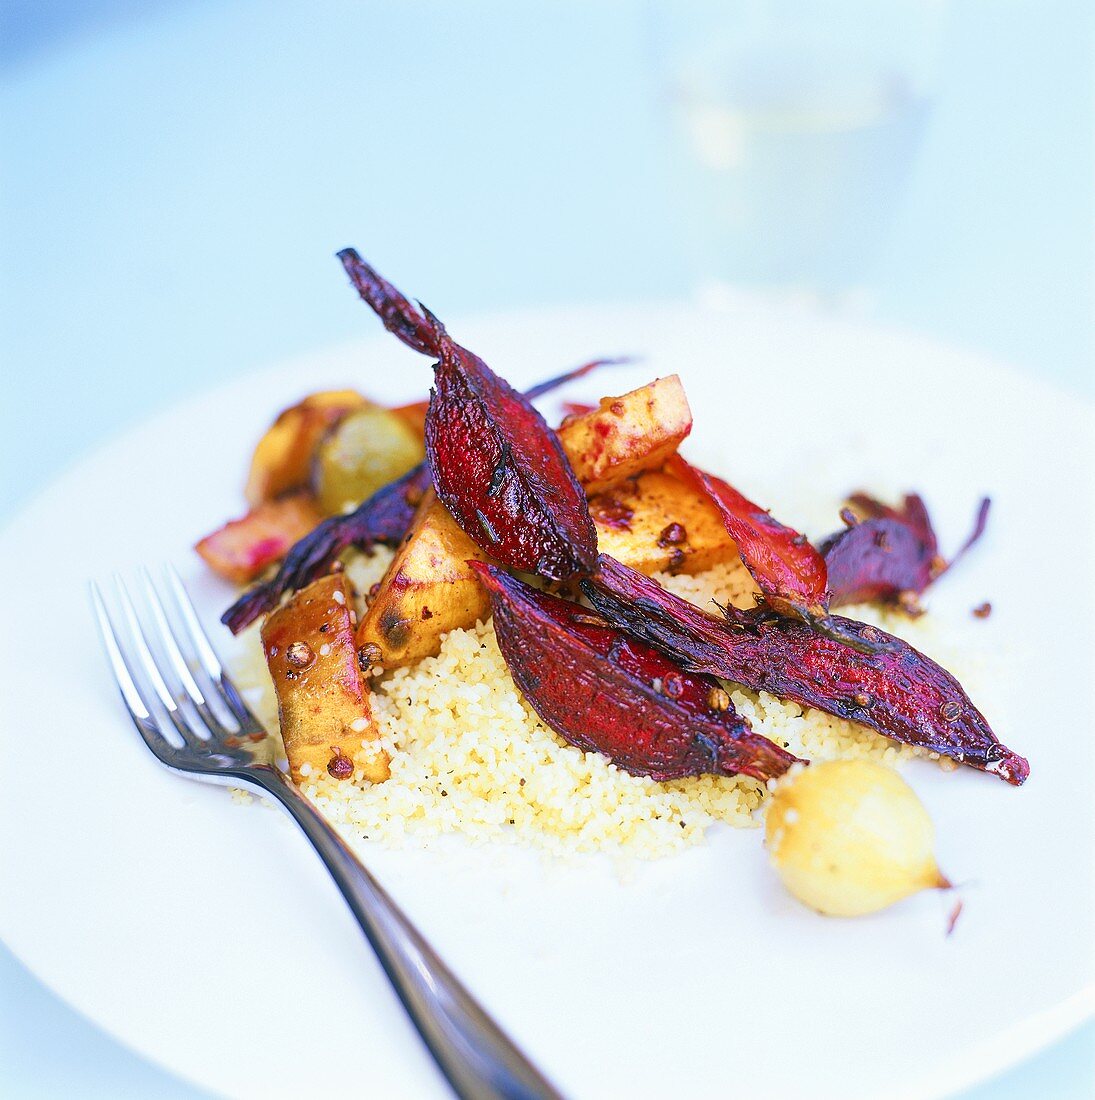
(199, 725)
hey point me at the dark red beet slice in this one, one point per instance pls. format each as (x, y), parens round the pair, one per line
(876, 561)
(606, 692)
(913, 513)
(787, 569)
(895, 690)
(501, 471)
(497, 467)
(892, 554)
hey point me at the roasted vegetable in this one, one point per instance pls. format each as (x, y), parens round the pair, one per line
(628, 434)
(650, 522)
(888, 555)
(655, 522)
(895, 690)
(429, 589)
(850, 837)
(496, 466)
(788, 570)
(368, 449)
(282, 461)
(501, 471)
(241, 549)
(323, 701)
(383, 518)
(605, 692)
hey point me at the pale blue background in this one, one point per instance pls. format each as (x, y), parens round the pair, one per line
(177, 173)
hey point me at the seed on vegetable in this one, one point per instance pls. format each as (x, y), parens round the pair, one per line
(299, 655)
(610, 511)
(368, 655)
(673, 534)
(850, 837)
(340, 766)
(718, 699)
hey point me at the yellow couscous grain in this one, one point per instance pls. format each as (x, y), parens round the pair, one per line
(469, 756)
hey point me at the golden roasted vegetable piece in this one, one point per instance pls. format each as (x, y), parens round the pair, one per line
(323, 698)
(241, 549)
(428, 590)
(656, 523)
(282, 460)
(627, 434)
(363, 452)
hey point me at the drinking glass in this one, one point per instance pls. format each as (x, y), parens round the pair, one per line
(794, 130)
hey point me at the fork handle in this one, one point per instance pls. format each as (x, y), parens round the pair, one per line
(476, 1056)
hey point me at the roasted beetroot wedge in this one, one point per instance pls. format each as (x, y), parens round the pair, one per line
(501, 471)
(606, 692)
(888, 555)
(788, 570)
(895, 690)
(496, 465)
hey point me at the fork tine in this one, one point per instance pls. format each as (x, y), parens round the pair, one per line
(151, 669)
(127, 685)
(207, 657)
(177, 660)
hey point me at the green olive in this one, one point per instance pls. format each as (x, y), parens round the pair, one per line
(366, 450)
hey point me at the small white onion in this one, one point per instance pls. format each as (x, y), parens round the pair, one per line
(850, 837)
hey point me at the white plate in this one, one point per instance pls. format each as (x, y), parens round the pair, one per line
(206, 936)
